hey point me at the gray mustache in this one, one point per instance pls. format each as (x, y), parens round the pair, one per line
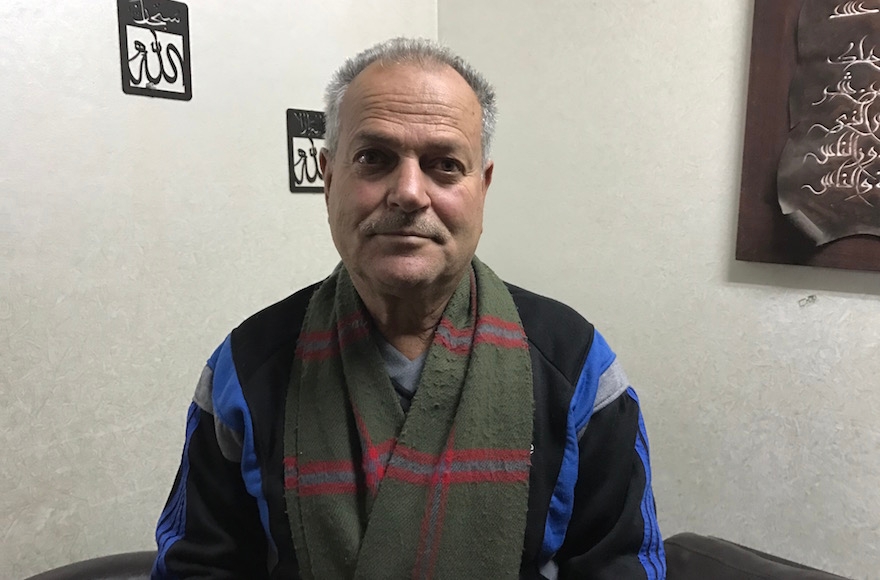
(395, 222)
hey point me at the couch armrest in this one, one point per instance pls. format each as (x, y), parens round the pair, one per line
(694, 557)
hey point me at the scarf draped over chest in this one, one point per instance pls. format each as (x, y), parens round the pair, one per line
(438, 492)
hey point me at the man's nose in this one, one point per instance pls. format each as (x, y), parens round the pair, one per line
(408, 188)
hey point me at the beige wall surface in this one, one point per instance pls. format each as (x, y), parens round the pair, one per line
(616, 190)
(135, 233)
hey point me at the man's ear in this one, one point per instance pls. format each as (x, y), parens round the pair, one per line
(327, 171)
(488, 169)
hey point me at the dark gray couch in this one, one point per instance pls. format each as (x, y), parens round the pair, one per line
(689, 557)
(694, 557)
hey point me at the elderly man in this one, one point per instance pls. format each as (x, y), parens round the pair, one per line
(412, 416)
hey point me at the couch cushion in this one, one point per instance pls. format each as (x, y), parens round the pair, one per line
(130, 566)
(694, 557)
(688, 556)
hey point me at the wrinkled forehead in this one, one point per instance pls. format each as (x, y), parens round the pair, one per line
(402, 94)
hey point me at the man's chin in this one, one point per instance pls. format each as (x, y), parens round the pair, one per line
(402, 273)
(406, 278)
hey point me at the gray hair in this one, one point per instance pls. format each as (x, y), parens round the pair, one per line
(401, 51)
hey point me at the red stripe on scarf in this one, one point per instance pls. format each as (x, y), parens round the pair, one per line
(431, 528)
(348, 331)
(315, 467)
(486, 336)
(456, 332)
(486, 319)
(488, 475)
(482, 335)
(375, 457)
(492, 454)
(292, 471)
(417, 456)
(500, 341)
(461, 350)
(464, 455)
(327, 489)
(500, 323)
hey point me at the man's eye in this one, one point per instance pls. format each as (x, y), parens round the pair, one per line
(449, 165)
(369, 157)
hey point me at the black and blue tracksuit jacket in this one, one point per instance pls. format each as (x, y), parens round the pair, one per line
(591, 509)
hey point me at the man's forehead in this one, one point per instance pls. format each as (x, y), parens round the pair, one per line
(435, 142)
(386, 98)
(420, 83)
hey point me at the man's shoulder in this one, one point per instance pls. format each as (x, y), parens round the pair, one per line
(557, 331)
(543, 316)
(270, 331)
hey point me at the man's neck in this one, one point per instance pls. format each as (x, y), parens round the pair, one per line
(406, 326)
(407, 323)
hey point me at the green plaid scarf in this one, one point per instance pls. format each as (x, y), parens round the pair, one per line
(438, 492)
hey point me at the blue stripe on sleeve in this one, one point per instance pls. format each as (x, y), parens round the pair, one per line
(651, 554)
(231, 409)
(598, 360)
(172, 522)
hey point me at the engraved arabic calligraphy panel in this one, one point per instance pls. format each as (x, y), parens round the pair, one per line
(305, 138)
(829, 174)
(811, 161)
(154, 48)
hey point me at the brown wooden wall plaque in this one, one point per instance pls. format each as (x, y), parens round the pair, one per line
(764, 233)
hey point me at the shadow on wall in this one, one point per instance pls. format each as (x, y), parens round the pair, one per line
(804, 278)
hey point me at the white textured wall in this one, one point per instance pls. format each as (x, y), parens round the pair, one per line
(134, 234)
(616, 190)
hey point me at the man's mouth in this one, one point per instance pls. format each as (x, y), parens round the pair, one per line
(406, 234)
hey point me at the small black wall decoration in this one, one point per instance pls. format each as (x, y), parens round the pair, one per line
(154, 48)
(305, 137)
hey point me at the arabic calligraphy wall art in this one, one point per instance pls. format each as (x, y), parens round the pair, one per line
(811, 162)
(154, 48)
(305, 137)
(829, 174)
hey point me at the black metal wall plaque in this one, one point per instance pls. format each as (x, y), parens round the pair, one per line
(305, 137)
(154, 48)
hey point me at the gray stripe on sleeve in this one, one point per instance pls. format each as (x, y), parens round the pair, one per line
(612, 384)
(229, 441)
(204, 396)
(550, 570)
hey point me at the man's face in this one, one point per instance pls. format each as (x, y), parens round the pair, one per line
(406, 187)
